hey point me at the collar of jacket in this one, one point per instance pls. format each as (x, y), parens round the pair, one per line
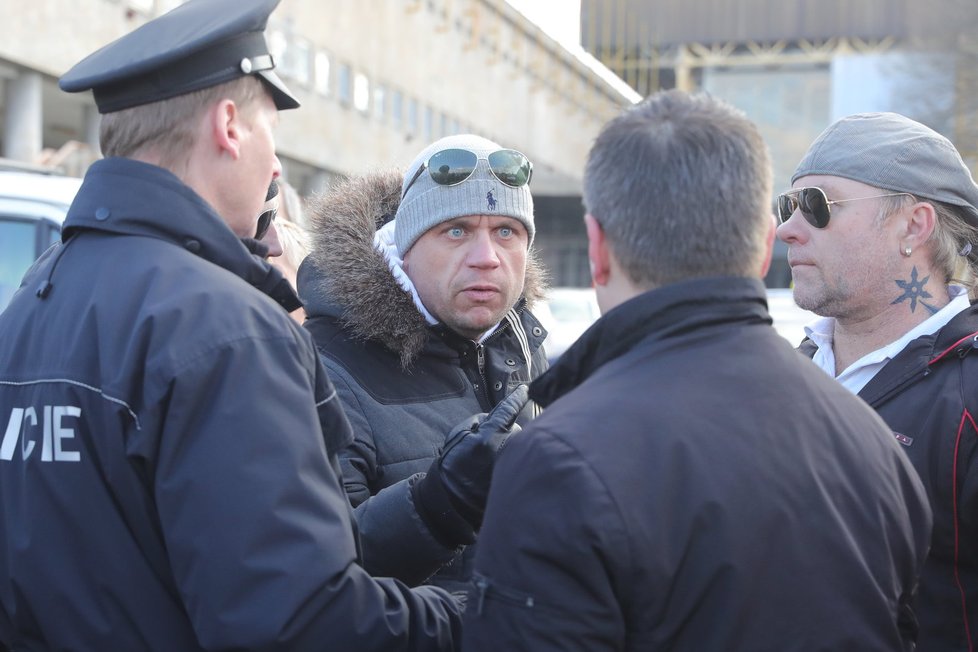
(665, 312)
(129, 197)
(346, 278)
(955, 340)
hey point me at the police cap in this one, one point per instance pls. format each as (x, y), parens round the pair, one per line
(201, 43)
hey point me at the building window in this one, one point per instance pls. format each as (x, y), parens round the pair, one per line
(321, 70)
(297, 63)
(380, 102)
(344, 84)
(397, 109)
(429, 124)
(412, 123)
(361, 92)
(293, 57)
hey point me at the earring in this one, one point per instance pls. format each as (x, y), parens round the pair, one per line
(907, 251)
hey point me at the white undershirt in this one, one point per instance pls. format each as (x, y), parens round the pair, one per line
(859, 373)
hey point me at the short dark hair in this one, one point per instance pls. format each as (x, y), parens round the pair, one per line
(681, 185)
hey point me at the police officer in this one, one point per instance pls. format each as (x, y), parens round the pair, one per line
(167, 465)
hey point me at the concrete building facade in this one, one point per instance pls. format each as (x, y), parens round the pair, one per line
(378, 80)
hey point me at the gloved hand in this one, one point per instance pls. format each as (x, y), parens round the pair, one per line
(451, 498)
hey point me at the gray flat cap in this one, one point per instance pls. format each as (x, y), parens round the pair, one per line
(893, 152)
(201, 43)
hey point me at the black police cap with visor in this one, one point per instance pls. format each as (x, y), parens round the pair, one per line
(200, 44)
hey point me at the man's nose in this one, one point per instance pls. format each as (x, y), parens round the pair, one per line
(791, 229)
(482, 250)
(276, 167)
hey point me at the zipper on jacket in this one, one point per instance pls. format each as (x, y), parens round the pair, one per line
(480, 358)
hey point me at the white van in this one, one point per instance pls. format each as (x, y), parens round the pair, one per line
(32, 207)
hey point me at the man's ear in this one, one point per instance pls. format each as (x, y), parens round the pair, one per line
(769, 246)
(598, 251)
(225, 127)
(921, 219)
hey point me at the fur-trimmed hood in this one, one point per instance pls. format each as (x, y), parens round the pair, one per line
(346, 277)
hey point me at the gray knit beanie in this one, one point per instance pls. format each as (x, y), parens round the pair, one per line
(428, 204)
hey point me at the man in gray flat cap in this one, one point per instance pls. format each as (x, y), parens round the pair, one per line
(168, 470)
(881, 225)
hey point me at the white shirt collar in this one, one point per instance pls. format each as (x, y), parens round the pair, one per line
(822, 330)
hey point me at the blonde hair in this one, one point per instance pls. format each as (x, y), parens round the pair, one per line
(952, 256)
(167, 127)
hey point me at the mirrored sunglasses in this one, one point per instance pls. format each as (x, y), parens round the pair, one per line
(264, 222)
(815, 205)
(450, 167)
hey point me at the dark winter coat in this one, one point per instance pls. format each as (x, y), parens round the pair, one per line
(928, 395)
(696, 485)
(168, 473)
(403, 384)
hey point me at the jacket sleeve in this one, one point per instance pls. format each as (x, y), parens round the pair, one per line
(257, 526)
(395, 540)
(545, 568)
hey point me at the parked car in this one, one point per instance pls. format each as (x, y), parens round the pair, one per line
(568, 312)
(789, 319)
(32, 208)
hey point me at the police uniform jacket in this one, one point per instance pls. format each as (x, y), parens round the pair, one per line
(168, 477)
(694, 484)
(928, 395)
(403, 384)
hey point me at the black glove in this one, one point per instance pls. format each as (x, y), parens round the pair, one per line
(451, 498)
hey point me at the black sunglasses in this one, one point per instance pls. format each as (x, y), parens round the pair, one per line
(264, 222)
(451, 167)
(814, 205)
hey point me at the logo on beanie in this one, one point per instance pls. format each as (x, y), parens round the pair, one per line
(490, 201)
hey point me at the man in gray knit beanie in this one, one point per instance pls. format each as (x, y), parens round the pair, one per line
(463, 230)
(425, 325)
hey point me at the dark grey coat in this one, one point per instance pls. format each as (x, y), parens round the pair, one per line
(693, 485)
(403, 384)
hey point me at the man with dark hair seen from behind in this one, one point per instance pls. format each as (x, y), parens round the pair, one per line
(693, 483)
(168, 471)
(882, 232)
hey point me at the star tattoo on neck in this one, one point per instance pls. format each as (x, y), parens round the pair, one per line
(913, 290)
